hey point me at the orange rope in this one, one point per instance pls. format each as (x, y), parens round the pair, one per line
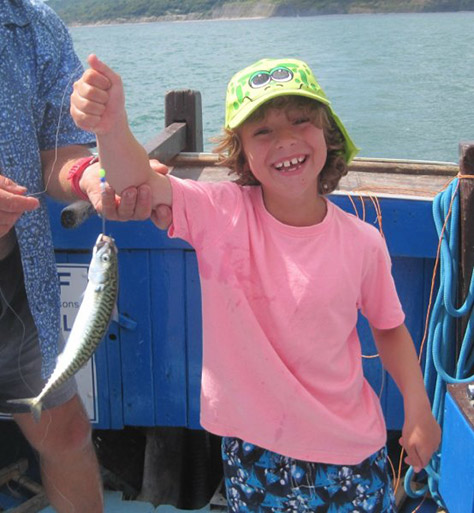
(353, 206)
(378, 211)
(393, 470)
(419, 505)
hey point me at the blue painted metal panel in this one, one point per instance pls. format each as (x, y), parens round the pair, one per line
(112, 375)
(456, 484)
(135, 341)
(408, 224)
(169, 337)
(410, 278)
(194, 339)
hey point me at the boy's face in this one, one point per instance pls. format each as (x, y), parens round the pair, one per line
(286, 152)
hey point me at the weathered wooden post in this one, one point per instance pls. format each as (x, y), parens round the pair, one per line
(466, 253)
(185, 107)
(183, 126)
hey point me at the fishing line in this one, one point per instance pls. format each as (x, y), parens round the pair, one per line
(23, 338)
(20, 373)
(49, 176)
(102, 188)
(20, 350)
(56, 139)
(46, 412)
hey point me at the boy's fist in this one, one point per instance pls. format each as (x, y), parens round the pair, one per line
(97, 102)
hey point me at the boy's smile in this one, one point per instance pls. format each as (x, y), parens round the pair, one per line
(286, 152)
(290, 164)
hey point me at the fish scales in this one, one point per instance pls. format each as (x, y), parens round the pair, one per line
(91, 322)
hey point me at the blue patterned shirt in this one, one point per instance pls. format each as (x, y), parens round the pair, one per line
(37, 69)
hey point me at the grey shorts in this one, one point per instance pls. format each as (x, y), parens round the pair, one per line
(20, 356)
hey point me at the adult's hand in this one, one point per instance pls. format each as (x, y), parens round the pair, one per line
(133, 205)
(13, 203)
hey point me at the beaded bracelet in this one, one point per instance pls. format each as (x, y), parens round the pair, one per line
(76, 172)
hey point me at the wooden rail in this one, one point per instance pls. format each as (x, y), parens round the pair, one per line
(358, 165)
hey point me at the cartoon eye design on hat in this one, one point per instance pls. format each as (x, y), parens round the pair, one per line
(262, 78)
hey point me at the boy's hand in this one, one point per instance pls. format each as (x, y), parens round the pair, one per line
(421, 436)
(162, 217)
(98, 101)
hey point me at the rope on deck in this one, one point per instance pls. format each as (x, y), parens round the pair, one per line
(441, 365)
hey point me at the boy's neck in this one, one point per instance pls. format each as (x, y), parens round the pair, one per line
(296, 213)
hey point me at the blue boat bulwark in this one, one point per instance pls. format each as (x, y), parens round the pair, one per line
(149, 366)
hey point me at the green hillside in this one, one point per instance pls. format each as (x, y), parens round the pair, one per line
(103, 11)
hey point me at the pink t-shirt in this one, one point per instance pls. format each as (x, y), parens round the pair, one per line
(281, 356)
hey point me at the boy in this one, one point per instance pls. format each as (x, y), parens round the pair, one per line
(283, 273)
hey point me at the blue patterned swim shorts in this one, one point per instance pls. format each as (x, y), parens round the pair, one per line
(262, 481)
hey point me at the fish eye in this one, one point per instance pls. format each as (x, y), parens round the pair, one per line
(259, 79)
(105, 258)
(281, 74)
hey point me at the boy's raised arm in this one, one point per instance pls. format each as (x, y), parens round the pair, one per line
(98, 105)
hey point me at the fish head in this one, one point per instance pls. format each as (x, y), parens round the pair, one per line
(104, 259)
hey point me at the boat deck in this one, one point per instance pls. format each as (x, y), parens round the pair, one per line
(115, 504)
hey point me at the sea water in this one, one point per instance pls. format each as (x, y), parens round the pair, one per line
(402, 83)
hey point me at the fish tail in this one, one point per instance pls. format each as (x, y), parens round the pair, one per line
(33, 403)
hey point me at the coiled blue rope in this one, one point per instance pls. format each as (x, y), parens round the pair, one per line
(441, 365)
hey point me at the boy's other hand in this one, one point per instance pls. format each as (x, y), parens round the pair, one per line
(421, 436)
(162, 217)
(98, 101)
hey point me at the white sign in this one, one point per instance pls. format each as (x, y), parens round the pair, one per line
(73, 281)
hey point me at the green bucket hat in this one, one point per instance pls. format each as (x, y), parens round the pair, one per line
(269, 78)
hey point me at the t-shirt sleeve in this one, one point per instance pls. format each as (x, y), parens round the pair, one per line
(379, 301)
(202, 212)
(58, 68)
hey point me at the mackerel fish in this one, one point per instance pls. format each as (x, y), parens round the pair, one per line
(91, 323)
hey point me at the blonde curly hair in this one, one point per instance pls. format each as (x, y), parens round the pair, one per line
(231, 154)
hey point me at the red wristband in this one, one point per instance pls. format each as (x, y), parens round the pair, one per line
(76, 172)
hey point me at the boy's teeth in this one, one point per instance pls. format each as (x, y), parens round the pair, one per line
(288, 163)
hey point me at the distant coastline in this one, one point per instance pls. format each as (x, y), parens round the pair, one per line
(107, 12)
(194, 18)
(158, 19)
